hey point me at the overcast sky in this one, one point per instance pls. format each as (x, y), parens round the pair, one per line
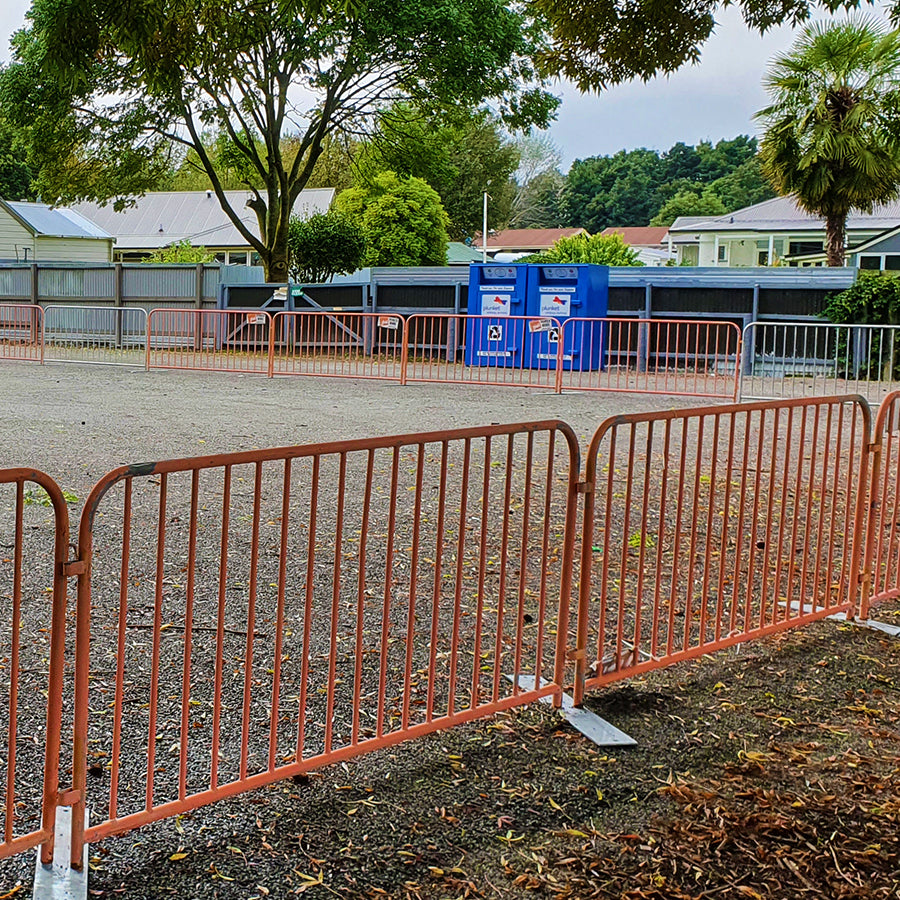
(715, 99)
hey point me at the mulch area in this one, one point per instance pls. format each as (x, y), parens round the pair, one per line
(768, 771)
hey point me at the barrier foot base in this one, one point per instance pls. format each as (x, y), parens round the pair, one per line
(874, 624)
(59, 881)
(595, 729)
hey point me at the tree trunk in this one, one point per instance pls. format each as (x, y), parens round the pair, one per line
(835, 226)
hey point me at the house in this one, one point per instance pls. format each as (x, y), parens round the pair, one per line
(649, 241)
(162, 218)
(460, 254)
(36, 232)
(511, 243)
(766, 232)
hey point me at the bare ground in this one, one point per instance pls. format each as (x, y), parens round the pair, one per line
(768, 771)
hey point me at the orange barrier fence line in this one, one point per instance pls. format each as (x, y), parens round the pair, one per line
(348, 695)
(696, 552)
(209, 340)
(21, 332)
(339, 345)
(10, 843)
(363, 593)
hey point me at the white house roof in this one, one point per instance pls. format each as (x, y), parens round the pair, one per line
(169, 217)
(783, 214)
(48, 221)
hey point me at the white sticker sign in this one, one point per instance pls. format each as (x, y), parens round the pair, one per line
(493, 304)
(495, 333)
(556, 303)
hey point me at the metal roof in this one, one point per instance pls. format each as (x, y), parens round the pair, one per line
(49, 221)
(783, 214)
(169, 217)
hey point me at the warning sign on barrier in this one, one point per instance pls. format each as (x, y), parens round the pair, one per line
(390, 322)
(495, 333)
(256, 318)
(537, 325)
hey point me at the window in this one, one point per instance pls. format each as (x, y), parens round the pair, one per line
(800, 248)
(722, 257)
(870, 262)
(762, 257)
(892, 262)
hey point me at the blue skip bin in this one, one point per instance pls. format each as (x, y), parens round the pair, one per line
(496, 293)
(568, 292)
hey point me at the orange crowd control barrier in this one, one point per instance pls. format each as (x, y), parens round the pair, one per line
(513, 351)
(210, 340)
(246, 617)
(709, 527)
(21, 332)
(656, 356)
(882, 564)
(338, 344)
(300, 606)
(28, 684)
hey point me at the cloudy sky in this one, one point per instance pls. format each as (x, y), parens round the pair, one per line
(715, 99)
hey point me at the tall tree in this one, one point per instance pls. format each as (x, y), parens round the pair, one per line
(461, 154)
(598, 43)
(109, 87)
(538, 183)
(832, 132)
(402, 218)
(16, 175)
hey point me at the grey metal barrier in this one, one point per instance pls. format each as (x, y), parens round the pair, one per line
(107, 335)
(787, 360)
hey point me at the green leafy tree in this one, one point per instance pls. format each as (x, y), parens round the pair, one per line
(743, 186)
(16, 175)
(182, 252)
(598, 43)
(402, 218)
(612, 190)
(602, 250)
(874, 299)
(460, 154)
(110, 92)
(325, 245)
(832, 132)
(689, 203)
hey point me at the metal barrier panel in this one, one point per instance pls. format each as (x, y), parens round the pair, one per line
(255, 615)
(458, 349)
(21, 332)
(32, 647)
(209, 339)
(109, 335)
(801, 359)
(882, 564)
(709, 527)
(656, 356)
(338, 344)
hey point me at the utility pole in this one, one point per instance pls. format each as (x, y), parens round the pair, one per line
(484, 230)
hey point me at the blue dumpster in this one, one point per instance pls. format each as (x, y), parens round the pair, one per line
(495, 293)
(568, 292)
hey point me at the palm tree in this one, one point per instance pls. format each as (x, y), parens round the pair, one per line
(832, 133)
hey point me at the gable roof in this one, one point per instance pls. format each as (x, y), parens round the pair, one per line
(168, 217)
(526, 238)
(639, 236)
(43, 220)
(783, 214)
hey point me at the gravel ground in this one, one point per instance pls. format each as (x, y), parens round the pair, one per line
(77, 422)
(515, 805)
